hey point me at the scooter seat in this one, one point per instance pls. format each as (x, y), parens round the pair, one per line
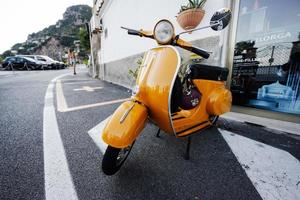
(207, 72)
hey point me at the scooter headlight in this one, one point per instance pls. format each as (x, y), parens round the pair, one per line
(163, 31)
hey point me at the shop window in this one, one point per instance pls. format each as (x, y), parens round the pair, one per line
(266, 65)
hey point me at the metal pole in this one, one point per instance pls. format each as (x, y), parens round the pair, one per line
(12, 67)
(91, 47)
(25, 65)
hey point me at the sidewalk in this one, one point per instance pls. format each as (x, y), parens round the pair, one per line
(280, 125)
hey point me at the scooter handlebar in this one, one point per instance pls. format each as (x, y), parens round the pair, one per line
(132, 31)
(188, 46)
(199, 52)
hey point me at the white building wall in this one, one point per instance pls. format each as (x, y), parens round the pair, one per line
(137, 14)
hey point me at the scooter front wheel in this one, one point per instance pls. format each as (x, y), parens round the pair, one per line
(114, 158)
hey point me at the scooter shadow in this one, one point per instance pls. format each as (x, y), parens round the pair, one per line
(156, 169)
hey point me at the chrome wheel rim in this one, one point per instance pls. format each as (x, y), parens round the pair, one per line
(123, 155)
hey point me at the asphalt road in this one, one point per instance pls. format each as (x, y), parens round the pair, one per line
(21, 145)
(155, 168)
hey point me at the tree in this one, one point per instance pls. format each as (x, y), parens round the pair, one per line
(6, 54)
(17, 46)
(84, 38)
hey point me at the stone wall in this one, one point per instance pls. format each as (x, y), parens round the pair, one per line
(118, 71)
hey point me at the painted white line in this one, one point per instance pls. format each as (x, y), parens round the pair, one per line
(96, 134)
(62, 105)
(88, 89)
(61, 101)
(77, 83)
(96, 105)
(49, 95)
(64, 80)
(289, 127)
(274, 173)
(58, 180)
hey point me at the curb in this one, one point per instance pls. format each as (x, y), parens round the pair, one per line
(288, 127)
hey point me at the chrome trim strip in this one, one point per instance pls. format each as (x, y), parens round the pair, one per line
(173, 81)
(126, 114)
(172, 85)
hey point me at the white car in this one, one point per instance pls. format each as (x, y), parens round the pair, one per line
(53, 63)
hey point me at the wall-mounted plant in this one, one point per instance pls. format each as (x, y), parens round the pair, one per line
(133, 73)
(190, 15)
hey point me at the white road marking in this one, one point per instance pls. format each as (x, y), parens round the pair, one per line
(76, 83)
(77, 79)
(96, 105)
(88, 89)
(96, 134)
(62, 105)
(274, 173)
(58, 180)
(49, 95)
(60, 98)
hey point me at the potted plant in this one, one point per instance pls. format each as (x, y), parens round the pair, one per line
(190, 15)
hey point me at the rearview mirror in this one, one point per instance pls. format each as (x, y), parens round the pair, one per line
(221, 19)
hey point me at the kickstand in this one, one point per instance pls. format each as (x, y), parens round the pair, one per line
(157, 134)
(187, 152)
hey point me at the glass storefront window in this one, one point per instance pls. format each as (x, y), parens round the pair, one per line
(266, 65)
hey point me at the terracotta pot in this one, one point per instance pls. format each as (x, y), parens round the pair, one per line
(191, 18)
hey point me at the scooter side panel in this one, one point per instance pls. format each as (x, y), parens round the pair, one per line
(215, 100)
(219, 101)
(155, 82)
(125, 124)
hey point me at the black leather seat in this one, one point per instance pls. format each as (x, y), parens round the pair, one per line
(207, 72)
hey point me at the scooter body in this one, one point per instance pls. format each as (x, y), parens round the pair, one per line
(153, 100)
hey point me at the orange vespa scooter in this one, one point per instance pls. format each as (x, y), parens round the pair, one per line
(179, 107)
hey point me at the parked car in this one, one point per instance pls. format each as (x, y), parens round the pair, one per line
(53, 63)
(46, 62)
(18, 62)
(41, 61)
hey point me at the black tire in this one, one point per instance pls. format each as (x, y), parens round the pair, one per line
(112, 162)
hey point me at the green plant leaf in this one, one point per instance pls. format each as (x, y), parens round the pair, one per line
(135, 72)
(192, 4)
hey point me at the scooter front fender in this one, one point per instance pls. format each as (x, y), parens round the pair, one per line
(125, 124)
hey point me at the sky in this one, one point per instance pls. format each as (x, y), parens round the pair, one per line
(18, 18)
